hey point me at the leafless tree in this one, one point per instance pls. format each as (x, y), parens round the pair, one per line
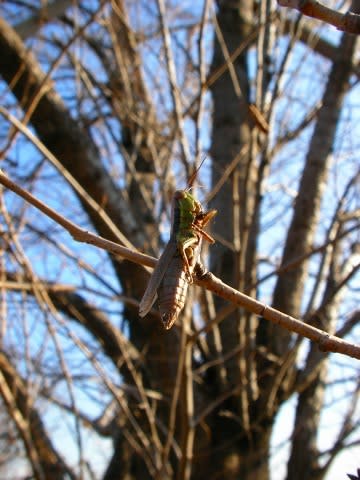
(106, 108)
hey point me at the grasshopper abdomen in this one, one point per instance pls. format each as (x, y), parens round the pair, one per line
(172, 292)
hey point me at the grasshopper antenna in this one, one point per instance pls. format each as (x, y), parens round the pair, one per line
(194, 174)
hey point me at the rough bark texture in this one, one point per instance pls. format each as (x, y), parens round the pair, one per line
(248, 447)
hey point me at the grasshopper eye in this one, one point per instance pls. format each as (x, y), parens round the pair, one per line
(179, 194)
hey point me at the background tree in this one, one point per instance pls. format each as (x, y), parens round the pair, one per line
(117, 102)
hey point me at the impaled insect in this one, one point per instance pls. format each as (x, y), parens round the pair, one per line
(174, 269)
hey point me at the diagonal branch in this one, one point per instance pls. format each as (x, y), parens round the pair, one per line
(61, 134)
(348, 22)
(326, 342)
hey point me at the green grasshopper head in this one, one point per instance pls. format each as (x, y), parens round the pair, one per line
(187, 203)
(192, 215)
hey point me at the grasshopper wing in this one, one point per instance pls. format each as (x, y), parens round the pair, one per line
(150, 294)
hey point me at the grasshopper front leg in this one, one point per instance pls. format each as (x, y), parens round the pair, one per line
(201, 220)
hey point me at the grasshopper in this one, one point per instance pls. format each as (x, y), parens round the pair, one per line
(173, 272)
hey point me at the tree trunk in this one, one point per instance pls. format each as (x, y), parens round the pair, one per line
(247, 448)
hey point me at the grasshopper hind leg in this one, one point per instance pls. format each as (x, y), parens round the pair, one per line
(187, 252)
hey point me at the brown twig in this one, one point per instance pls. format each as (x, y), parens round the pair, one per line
(326, 342)
(348, 22)
(81, 192)
(75, 231)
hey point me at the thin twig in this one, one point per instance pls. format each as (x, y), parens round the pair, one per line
(79, 189)
(75, 231)
(175, 92)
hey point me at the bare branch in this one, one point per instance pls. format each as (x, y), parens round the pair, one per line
(76, 232)
(327, 342)
(45, 460)
(175, 92)
(348, 22)
(82, 193)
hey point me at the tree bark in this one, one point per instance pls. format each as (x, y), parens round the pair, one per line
(236, 224)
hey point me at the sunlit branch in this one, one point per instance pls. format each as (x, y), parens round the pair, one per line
(326, 342)
(348, 22)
